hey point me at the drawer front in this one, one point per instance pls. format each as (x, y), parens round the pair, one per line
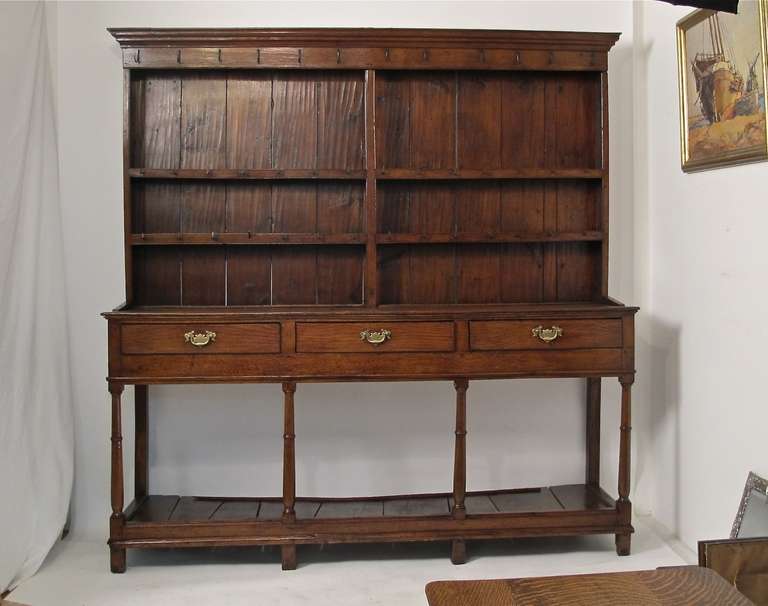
(374, 337)
(544, 334)
(200, 339)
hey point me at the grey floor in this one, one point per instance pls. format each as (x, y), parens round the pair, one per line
(76, 573)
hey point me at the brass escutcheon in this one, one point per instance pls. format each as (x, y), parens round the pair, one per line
(547, 334)
(200, 339)
(376, 337)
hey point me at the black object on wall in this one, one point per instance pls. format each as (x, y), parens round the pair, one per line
(729, 6)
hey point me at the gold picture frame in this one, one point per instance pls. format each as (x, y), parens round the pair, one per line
(722, 87)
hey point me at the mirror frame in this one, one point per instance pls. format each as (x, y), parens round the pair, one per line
(754, 482)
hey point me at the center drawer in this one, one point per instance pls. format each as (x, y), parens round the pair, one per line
(545, 333)
(371, 337)
(202, 338)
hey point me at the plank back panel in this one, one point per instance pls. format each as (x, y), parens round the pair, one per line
(249, 279)
(479, 120)
(157, 275)
(203, 114)
(156, 120)
(294, 115)
(203, 275)
(249, 120)
(156, 207)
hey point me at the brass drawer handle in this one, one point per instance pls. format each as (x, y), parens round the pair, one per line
(547, 334)
(376, 337)
(200, 339)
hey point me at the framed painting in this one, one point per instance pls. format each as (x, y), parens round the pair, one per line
(721, 62)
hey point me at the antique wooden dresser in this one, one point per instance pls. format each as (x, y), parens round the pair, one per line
(366, 205)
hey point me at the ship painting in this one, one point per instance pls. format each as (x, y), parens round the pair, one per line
(723, 86)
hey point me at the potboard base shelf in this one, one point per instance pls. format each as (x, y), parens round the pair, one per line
(160, 521)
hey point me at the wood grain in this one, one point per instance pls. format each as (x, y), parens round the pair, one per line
(671, 586)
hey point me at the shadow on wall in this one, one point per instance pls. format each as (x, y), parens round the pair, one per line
(664, 399)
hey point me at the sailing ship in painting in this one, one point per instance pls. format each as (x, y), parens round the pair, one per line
(719, 84)
(724, 92)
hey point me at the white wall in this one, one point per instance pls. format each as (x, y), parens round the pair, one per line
(353, 438)
(709, 259)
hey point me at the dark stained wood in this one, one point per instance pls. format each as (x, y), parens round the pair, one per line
(294, 207)
(518, 334)
(141, 442)
(577, 496)
(625, 462)
(351, 509)
(203, 208)
(340, 275)
(533, 500)
(432, 122)
(340, 208)
(249, 120)
(117, 519)
(425, 506)
(294, 119)
(478, 208)
(393, 120)
(249, 276)
(203, 276)
(524, 143)
(248, 208)
(592, 475)
(432, 275)
(288, 190)
(478, 269)
(157, 279)
(479, 121)
(341, 121)
(669, 586)
(157, 208)
(156, 121)
(155, 508)
(457, 505)
(526, 263)
(321, 337)
(236, 510)
(203, 113)
(192, 508)
(230, 338)
(333, 38)
(289, 456)
(275, 174)
(294, 276)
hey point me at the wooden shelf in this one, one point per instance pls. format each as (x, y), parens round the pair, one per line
(246, 174)
(159, 509)
(504, 173)
(244, 239)
(585, 236)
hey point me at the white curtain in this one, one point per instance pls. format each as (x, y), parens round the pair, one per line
(36, 425)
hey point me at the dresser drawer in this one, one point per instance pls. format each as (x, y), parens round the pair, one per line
(544, 334)
(371, 337)
(200, 339)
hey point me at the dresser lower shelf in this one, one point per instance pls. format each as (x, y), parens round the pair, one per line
(173, 521)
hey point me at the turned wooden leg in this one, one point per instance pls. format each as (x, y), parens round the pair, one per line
(289, 557)
(458, 551)
(141, 450)
(592, 474)
(117, 519)
(459, 512)
(117, 560)
(624, 505)
(289, 472)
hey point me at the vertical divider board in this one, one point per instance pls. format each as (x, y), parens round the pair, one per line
(371, 280)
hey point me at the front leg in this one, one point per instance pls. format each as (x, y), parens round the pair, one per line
(117, 519)
(623, 505)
